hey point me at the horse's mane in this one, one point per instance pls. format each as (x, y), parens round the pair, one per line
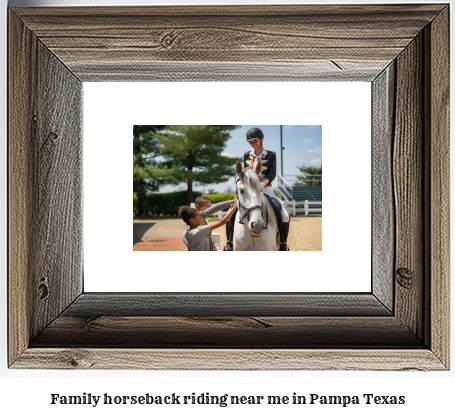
(253, 180)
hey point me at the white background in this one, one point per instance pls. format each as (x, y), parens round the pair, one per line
(28, 390)
(343, 110)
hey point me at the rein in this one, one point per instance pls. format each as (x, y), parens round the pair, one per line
(247, 211)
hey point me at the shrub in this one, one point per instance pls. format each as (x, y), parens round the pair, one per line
(134, 204)
(167, 203)
(221, 197)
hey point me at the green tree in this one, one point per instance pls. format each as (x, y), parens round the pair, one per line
(194, 154)
(311, 176)
(145, 151)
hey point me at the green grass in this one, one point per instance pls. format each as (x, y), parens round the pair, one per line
(212, 219)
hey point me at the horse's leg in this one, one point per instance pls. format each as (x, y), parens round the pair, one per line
(242, 239)
(230, 233)
(238, 236)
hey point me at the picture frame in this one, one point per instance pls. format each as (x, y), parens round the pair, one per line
(402, 324)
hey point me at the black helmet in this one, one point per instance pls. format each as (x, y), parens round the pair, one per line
(253, 133)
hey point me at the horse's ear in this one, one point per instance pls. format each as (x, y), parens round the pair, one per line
(238, 167)
(258, 168)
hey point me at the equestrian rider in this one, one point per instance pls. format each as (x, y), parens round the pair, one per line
(255, 137)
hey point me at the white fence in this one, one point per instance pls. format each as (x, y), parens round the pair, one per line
(299, 207)
(295, 207)
(309, 180)
(285, 189)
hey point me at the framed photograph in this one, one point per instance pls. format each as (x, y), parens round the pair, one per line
(402, 323)
(340, 111)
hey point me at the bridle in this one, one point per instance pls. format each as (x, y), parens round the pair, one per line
(248, 210)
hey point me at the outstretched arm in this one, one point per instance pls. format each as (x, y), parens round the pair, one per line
(215, 208)
(225, 218)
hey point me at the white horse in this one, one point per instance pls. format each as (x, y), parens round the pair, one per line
(255, 222)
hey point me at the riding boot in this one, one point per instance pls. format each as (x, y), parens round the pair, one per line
(229, 234)
(284, 232)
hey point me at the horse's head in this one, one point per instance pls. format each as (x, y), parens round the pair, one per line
(249, 196)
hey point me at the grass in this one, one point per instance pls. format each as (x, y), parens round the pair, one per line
(212, 219)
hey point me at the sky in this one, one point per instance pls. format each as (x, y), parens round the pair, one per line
(302, 145)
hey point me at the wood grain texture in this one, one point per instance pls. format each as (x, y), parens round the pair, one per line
(157, 71)
(382, 201)
(408, 188)
(235, 359)
(53, 49)
(257, 332)
(438, 195)
(45, 184)
(227, 34)
(90, 305)
(22, 94)
(57, 220)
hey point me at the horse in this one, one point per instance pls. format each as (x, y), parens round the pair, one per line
(255, 222)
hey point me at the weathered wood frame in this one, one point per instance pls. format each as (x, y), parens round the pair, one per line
(403, 50)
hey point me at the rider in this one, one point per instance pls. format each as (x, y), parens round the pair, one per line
(255, 137)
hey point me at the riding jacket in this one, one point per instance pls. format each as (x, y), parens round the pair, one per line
(268, 159)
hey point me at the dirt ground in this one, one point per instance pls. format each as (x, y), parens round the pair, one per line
(305, 233)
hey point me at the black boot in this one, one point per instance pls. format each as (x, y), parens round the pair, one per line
(229, 234)
(284, 232)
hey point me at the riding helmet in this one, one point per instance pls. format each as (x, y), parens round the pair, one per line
(253, 133)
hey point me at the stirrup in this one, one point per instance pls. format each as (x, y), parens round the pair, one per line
(228, 246)
(284, 246)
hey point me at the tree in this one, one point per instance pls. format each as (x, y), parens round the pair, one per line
(194, 154)
(145, 151)
(311, 176)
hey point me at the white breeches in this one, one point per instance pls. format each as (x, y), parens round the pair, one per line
(284, 213)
